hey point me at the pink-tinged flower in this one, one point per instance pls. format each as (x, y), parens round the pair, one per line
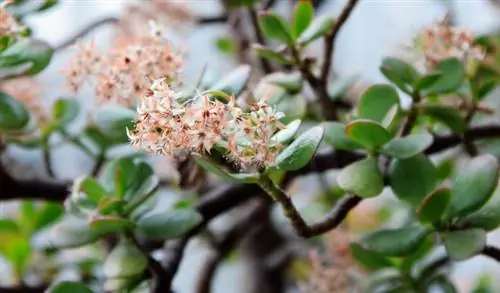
(166, 126)
(28, 91)
(120, 75)
(440, 40)
(8, 24)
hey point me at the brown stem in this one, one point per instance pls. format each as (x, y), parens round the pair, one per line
(491, 252)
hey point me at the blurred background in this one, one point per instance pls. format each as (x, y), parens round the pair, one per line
(376, 29)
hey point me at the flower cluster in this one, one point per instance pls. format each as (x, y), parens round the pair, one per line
(120, 75)
(440, 40)
(8, 24)
(167, 126)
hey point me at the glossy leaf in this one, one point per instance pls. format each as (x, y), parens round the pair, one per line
(125, 260)
(211, 166)
(302, 17)
(427, 80)
(110, 224)
(376, 102)
(368, 133)
(291, 82)
(464, 244)
(168, 225)
(270, 54)
(235, 81)
(473, 186)
(72, 232)
(449, 116)
(399, 72)
(114, 120)
(69, 287)
(285, 135)
(336, 137)
(13, 114)
(369, 259)
(408, 146)
(395, 242)
(65, 111)
(362, 178)
(91, 187)
(318, 28)
(30, 51)
(275, 27)
(301, 150)
(452, 76)
(413, 178)
(433, 205)
(487, 217)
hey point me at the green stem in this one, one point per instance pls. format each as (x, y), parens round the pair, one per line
(139, 201)
(47, 158)
(77, 142)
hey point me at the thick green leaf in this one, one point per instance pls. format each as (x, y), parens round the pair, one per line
(270, 54)
(339, 87)
(464, 244)
(226, 45)
(408, 146)
(433, 205)
(13, 114)
(69, 287)
(402, 74)
(294, 107)
(301, 150)
(363, 178)
(111, 205)
(318, 28)
(487, 87)
(452, 75)
(64, 111)
(46, 215)
(369, 259)
(395, 242)
(235, 81)
(120, 174)
(17, 251)
(336, 137)
(275, 27)
(114, 120)
(487, 217)
(124, 261)
(72, 232)
(473, 186)
(427, 80)
(91, 187)
(376, 102)
(27, 51)
(110, 224)
(368, 133)
(442, 284)
(285, 135)
(418, 255)
(304, 12)
(449, 116)
(291, 82)
(211, 166)
(413, 178)
(168, 225)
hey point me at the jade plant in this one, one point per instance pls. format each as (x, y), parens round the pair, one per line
(237, 141)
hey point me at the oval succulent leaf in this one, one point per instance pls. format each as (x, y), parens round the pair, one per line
(211, 166)
(464, 244)
(235, 81)
(473, 186)
(168, 225)
(110, 224)
(13, 114)
(302, 17)
(65, 111)
(275, 27)
(285, 135)
(270, 54)
(363, 178)
(336, 137)
(433, 205)
(395, 242)
(369, 259)
(301, 150)
(125, 260)
(413, 178)
(70, 232)
(376, 102)
(408, 146)
(318, 28)
(449, 116)
(69, 287)
(291, 82)
(452, 75)
(487, 217)
(368, 133)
